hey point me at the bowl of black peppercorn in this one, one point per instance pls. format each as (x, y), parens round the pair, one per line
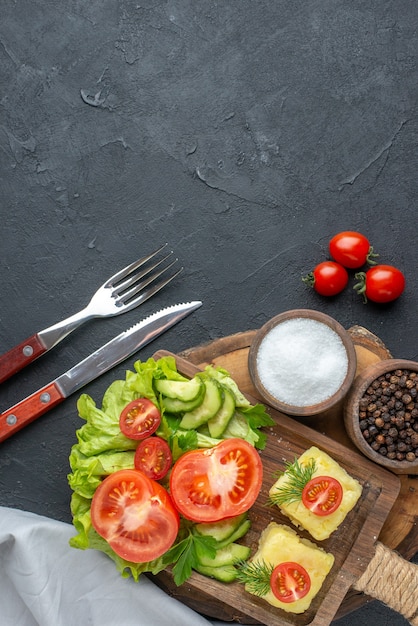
(381, 414)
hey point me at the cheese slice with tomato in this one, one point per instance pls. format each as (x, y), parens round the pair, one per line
(320, 526)
(281, 544)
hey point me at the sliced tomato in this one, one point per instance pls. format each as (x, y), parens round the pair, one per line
(322, 495)
(290, 582)
(135, 515)
(153, 457)
(139, 419)
(216, 483)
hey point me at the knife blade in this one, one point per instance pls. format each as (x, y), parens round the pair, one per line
(109, 355)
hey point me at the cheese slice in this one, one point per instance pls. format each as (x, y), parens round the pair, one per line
(320, 527)
(278, 544)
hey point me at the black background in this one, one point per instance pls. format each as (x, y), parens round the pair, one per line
(245, 134)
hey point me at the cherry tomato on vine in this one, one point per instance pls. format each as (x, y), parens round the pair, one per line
(135, 515)
(139, 419)
(290, 582)
(211, 484)
(153, 457)
(351, 249)
(322, 495)
(382, 283)
(328, 278)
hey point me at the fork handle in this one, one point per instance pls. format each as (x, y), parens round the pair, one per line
(20, 356)
(29, 409)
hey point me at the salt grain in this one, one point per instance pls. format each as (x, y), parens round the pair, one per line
(302, 362)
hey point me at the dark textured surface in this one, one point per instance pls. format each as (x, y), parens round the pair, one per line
(245, 134)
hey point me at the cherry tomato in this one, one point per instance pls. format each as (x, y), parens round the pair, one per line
(382, 283)
(216, 483)
(322, 495)
(135, 515)
(139, 419)
(328, 278)
(290, 582)
(153, 457)
(351, 249)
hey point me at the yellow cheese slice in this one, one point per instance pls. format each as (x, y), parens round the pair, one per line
(278, 544)
(320, 527)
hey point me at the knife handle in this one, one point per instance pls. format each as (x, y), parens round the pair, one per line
(29, 409)
(20, 356)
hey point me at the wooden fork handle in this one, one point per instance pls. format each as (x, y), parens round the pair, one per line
(18, 357)
(29, 409)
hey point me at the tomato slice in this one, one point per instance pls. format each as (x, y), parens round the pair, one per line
(139, 419)
(153, 457)
(290, 582)
(216, 483)
(135, 515)
(322, 495)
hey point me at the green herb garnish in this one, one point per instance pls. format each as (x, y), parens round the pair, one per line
(256, 576)
(297, 477)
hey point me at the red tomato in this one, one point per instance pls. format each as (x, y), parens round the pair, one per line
(216, 483)
(382, 283)
(153, 457)
(351, 249)
(322, 495)
(290, 582)
(135, 515)
(139, 419)
(328, 278)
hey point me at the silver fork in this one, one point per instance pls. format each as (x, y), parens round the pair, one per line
(123, 291)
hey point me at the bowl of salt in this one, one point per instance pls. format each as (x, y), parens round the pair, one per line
(302, 362)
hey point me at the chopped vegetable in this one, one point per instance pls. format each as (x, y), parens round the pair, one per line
(102, 450)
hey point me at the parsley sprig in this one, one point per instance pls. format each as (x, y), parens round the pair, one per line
(298, 476)
(186, 554)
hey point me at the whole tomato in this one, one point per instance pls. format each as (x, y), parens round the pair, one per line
(382, 283)
(351, 249)
(328, 278)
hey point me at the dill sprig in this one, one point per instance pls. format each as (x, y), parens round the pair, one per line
(255, 575)
(297, 477)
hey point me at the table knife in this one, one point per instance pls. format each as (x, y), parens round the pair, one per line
(97, 363)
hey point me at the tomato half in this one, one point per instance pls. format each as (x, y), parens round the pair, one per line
(328, 278)
(153, 457)
(290, 582)
(322, 495)
(216, 483)
(135, 515)
(351, 249)
(139, 419)
(382, 283)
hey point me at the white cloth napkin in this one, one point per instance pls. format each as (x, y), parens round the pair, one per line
(45, 582)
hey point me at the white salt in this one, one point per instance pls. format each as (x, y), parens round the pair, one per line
(302, 362)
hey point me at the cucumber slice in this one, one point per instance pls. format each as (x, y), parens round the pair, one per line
(228, 555)
(182, 390)
(223, 529)
(225, 574)
(174, 405)
(207, 409)
(220, 420)
(242, 530)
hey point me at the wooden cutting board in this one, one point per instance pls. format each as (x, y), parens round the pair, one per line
(353, 544)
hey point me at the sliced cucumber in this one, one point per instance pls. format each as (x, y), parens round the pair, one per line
(225, 574)
(228, 555)
(220, 420)
(181, 390)
(223, 529)
(174, 405)
(242, 530)
(207, 409)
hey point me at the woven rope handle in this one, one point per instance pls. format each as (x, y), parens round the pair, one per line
(392, 580)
